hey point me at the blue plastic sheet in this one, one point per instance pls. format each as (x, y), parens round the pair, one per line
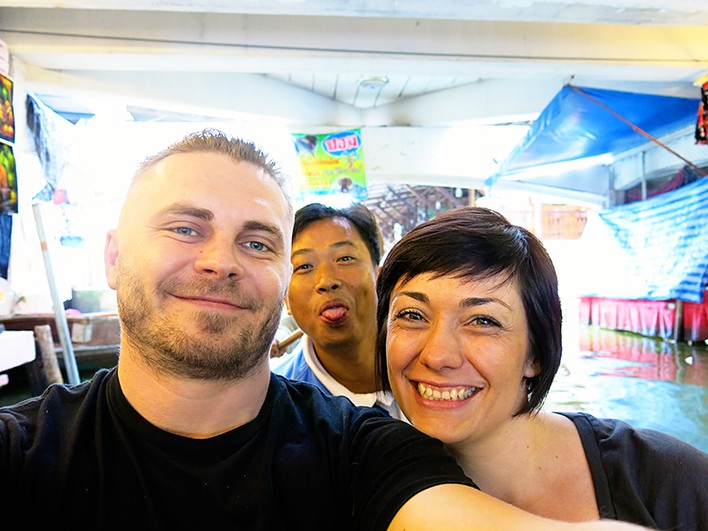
(576, 125)
(655, 249)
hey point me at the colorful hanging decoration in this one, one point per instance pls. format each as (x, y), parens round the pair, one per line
(7, 115)
(702, 120)
(8, 180)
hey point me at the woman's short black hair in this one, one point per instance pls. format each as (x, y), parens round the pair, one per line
(479, 243)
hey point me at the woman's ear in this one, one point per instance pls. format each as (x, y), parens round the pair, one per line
(531, 368)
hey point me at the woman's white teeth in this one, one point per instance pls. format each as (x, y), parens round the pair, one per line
(457, 393)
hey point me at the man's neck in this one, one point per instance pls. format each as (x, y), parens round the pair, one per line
(192, 408)
(353, 366)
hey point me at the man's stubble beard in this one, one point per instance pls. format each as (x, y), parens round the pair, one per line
(214, 353)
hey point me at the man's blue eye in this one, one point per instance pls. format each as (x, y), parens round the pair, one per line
(258, 246)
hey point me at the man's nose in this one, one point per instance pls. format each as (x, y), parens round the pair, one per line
(220, 257)
(327, 279)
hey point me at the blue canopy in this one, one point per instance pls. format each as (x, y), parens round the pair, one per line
(586, 122)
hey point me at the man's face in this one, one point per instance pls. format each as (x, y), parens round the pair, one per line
(200, 265)
(332, 291)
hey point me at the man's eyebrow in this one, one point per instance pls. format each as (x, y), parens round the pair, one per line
(300, 251)
(184, 209)
(264, 227)
(336, 245)
(343, 243)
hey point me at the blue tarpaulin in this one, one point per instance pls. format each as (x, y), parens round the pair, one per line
(583, 122)
(655, 249)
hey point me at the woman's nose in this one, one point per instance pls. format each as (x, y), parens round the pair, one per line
(442, 349)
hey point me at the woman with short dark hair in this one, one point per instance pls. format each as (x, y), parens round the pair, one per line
(469, 341)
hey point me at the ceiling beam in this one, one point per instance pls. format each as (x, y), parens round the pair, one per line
(657, 12)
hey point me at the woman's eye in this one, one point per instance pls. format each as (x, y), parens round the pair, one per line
(483, 320)
(409, 315)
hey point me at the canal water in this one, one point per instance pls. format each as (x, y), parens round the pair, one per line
(648, 382)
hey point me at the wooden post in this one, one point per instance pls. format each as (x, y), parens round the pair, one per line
(678, 321)
(50, 365)
(72, 369)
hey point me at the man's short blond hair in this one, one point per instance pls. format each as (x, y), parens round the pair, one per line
(215, 141)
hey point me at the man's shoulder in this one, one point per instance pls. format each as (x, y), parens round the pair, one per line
(295, 367)
(56, 413)
(289, 364)
(302, 390)
(64, 395)
(303, 399)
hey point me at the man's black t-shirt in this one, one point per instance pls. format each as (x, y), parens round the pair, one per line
(84, 457)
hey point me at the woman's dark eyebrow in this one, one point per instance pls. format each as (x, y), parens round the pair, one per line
(422, 297)
(479, 301)
(469, 302)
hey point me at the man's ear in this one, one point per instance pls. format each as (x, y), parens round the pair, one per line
(110, 257)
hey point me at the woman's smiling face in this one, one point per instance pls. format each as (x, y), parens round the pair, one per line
(457, 354)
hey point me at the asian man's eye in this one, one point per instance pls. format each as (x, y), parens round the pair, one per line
(302, 268)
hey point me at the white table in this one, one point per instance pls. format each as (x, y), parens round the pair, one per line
(16, 348)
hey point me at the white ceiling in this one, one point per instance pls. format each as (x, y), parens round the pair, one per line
(447, 62)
